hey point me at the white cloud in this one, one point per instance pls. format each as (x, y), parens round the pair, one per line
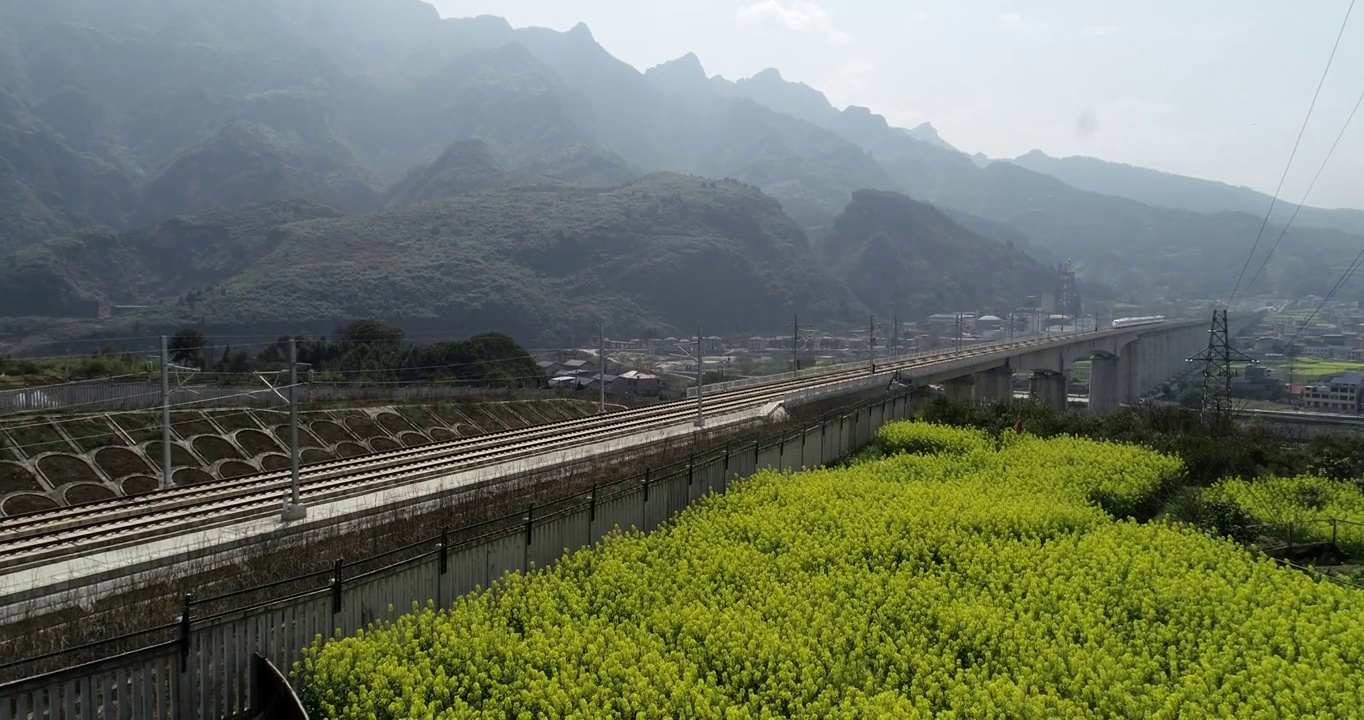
(795, 16)
(1094, 31)
(857, 68)
(851, 79)
(1012, 22)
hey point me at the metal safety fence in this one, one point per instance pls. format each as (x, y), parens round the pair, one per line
(106, 395)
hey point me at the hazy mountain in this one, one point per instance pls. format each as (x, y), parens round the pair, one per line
(796, 99)
(1006, 235)
(470, 166)
(687, 80)
(124, 113)
(246, 164)
(751, 136)
(1137, 248)
(1141, 248)
(659, 255)
(466, 166)
(82, 275)
(925, 132)
(1163, 189)
(665, 252)
(909, 257)
(811, 171)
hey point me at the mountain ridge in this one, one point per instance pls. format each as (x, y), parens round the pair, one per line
(1181, 192)
(655, 256)
(357, 107)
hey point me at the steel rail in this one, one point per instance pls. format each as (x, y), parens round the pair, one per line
(113, 508)
(64, 532)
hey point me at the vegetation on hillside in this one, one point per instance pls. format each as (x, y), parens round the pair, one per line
(471, 166)
(363, 351)
(284, 100)
(370, 351)
(899, 255)
(179, 260)
(667, 251)
(248, 163)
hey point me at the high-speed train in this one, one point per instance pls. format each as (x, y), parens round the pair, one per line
(1129, 322)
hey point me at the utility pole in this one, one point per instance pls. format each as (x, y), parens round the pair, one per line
(895, 337)
(1292, 372)
(871, 344)
(700, 380)
(601, 360)
(795, 346)
(294, 509)
(165, 414)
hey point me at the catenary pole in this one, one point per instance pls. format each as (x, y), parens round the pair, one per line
(295, 508)
(700, 379)
(601, 360)
(165, 414)
(871, 344)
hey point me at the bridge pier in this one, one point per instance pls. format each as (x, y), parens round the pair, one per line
(1127, 375)
(1104, 385)
(960, 389)
(995, 386)
(1049, 388)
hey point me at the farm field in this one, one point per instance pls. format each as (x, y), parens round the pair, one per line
(1307, 369)
(1305, 509)
(960, 574)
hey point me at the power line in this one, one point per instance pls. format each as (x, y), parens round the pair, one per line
(1349, 271)
(1313, 184)
(1274, 200)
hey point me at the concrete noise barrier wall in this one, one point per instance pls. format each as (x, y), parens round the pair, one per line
(206, 670)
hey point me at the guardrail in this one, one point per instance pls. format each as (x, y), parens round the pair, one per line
(107, 395)
(844, 367)
(200, 665)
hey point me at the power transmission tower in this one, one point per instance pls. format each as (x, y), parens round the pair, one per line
(1217, 370)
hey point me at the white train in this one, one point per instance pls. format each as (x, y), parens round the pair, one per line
(1129, 322)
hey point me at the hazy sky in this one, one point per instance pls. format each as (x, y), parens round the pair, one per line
(1210, 88)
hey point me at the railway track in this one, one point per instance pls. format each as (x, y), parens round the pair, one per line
(44, 537)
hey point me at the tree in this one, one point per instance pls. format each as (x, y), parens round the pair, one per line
(1191, 397)
(369, 332)
(237, 362)
(187, 348)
